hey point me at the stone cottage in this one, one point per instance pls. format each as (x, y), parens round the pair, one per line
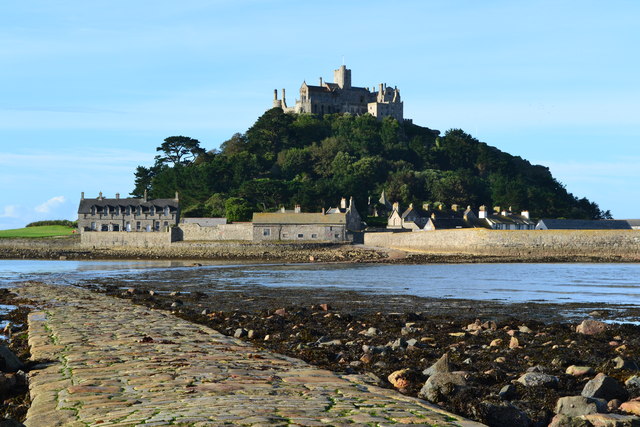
(127, 214)
(333, 225)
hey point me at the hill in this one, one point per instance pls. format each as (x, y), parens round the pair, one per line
(287, 159)
(38, 231)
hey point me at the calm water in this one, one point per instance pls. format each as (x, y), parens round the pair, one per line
(559, 283)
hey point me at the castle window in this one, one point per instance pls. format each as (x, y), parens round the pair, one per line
(266, 232)
(300, 236)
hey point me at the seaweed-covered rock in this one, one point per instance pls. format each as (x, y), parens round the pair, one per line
(574, 406)
(537, 379)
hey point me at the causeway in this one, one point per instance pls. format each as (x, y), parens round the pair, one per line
(106, 362)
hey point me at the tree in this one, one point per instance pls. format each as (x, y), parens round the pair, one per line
(179, 150)
(238, 209)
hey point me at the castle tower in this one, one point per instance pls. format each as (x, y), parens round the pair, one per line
(342, 76)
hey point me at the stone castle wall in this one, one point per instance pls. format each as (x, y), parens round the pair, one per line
(524, 243)
(238, 231)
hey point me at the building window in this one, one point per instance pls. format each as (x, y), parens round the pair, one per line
(266, 232)
(104, 227)
(157, 226)
(314, 236)
(138, 226)
(116, 227)
(337, 236)
(300, 236)
(128, 210)
(148, 228)
(127, 226)
(93, 226)
(152, 210)
(166, 210)
(166, 224)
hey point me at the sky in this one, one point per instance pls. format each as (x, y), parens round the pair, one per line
(88, 90)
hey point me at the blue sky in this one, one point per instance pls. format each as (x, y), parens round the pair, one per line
(90, 89)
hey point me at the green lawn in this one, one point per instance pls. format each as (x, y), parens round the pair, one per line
(42, 231)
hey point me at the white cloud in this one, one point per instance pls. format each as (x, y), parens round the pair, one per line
(10, 211)
(50, 204)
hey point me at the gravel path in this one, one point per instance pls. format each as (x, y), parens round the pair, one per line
(113, 363)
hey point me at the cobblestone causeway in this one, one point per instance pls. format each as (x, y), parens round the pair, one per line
(116, 364)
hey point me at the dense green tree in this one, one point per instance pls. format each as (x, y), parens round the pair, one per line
(238, 209)
(179, 150)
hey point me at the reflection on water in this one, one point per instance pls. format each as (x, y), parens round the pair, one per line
(562, 283)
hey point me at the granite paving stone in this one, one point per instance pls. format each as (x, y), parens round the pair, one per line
(107, 362)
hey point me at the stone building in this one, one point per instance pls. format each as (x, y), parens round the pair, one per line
(128, 214)
(341, 97)
(334, 225)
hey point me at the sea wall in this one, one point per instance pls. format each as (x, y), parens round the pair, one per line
(110, 239)
(220, 232)
(514, 243)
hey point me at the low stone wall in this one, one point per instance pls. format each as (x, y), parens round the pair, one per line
(110, 239)
(196, 232)
(56, 243)
(531, 243)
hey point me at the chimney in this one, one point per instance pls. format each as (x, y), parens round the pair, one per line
(82, 196)
(410, 205)
(343, 203)
(396, 206)
(145, 196)
(440, 206)
(100, 196)
(433, 215)
(177, 196)
(117, 196)
(282, 209)
(496, 209)
(320, 81)
(323, 212)
(482, 213)
(454, 208)
(503, 213)
(350, 202)
(525, 214)
(284, 99)
(426, 206)
(297, 209)
(275, 94)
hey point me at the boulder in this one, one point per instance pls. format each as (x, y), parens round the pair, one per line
(575, 406)
(612, 420)
(504, 415)
(508, 392)
(604, 387)
(442, 365)
(561, 420)
(371, 332)
(9, 362)
(537, 379)
(628, 365)
(240, 332)
(633, 381)
(631, 407)
(441, 385)
(591, 327)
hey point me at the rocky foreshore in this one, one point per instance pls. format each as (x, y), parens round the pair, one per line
(505, 369)
(70, 249)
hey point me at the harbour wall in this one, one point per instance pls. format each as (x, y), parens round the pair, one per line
(513, 243)
(222, 232)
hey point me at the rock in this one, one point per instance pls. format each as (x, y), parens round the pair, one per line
(514, 343)
(7, 383)
(508, 392)
(490, 325)
(280, 312)
(441, 385)
(496, 343)
(504, 415)
(612, 420)
(620, 363)
(613, 404)
(324, 307)
(575, 406)
(176, 303)
(561, 420)
(330, 343)
(537, 379)
(251, 334)
(500, 359)
(591, 327)
(371, 332)
(442, 365)
(404, 379)
(205, 312)
(524, 329)
(407, 330)
(9, 362)
(633, 381)
(579, 371)
(475, 326)
(240, 332)
(366, 358)
(400, 343)
(174, 294)
(631, 407)
(152, 293)
(604, 387)
(412, 342)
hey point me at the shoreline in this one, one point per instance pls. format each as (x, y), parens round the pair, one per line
(295, 253)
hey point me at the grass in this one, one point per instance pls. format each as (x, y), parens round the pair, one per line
(41, 231)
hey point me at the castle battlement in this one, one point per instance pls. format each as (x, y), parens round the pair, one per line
(341, 97)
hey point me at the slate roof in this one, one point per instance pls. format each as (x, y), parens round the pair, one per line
(86, 204)
(583, 224)
(205, 222)
(449, 223)
(633, 222)
(299, 218)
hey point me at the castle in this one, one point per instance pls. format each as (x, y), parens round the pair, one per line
(341, 97)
